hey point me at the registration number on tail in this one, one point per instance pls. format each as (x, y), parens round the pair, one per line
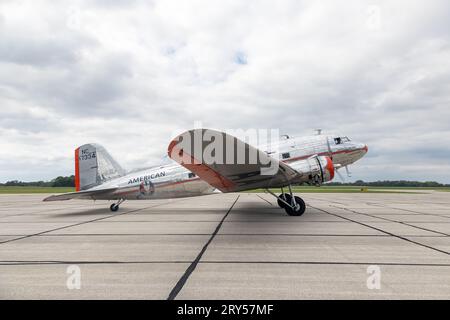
(86, 154)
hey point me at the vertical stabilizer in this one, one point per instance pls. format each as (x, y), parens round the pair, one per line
(94, 166)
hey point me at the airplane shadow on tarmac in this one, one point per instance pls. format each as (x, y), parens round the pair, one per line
(245, 208)
(80, 212)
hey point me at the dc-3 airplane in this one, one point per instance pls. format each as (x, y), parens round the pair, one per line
(209, 161)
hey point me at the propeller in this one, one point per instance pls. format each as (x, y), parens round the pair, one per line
(349, 174)
(337, 167)
(340, 176)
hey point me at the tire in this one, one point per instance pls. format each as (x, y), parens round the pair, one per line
(298, 210)
(287, 197)
(114, 207)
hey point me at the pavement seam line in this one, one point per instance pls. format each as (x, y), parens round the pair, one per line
(407, 210)
(78, 224)
(386, 232)
(387, 207)
(51, 262)
(265, 200)
(182, 281)
(390, 220)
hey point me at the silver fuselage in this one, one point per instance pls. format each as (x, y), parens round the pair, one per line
(174, 181)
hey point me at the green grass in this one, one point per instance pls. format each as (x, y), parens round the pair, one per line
(343, 189)
(20, 190)
(301, 189)
(401, 188)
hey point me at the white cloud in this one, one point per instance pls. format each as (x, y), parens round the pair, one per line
(128, 73)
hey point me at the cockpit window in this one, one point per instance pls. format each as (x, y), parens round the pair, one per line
(341, 140)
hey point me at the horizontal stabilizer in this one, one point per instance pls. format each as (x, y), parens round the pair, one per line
(79, 195)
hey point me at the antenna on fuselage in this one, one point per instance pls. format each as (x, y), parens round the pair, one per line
(319, 131)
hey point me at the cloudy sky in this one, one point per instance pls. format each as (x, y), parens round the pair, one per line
(131, 74)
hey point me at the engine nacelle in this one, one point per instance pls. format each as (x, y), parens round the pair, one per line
(315, 170)
(327, 166)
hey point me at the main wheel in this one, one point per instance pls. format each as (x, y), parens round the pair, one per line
(299, 208)
(287, 198)
(114, 207)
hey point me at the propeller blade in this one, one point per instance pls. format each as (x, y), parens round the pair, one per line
(340, 176)
(349, 174)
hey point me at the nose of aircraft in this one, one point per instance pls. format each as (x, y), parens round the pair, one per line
(365, 148)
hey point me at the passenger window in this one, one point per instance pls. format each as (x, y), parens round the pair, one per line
(285, 155)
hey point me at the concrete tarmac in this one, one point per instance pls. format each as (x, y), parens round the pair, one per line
(227, 246)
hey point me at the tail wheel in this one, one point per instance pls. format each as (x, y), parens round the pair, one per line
(286, 197)
(299, 208)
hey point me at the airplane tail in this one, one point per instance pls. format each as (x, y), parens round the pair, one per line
(94, 166)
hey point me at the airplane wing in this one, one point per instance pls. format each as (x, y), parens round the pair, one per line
(230, 171)
(79, 194)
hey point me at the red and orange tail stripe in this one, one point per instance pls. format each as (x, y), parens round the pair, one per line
(77, 169)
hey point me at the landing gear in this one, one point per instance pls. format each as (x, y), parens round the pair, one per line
(286, 197)
(298, 209)
(115, 206)
(293, 205)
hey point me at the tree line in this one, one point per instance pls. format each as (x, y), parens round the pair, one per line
(57, 182)
(394, 183)
(70, 182)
